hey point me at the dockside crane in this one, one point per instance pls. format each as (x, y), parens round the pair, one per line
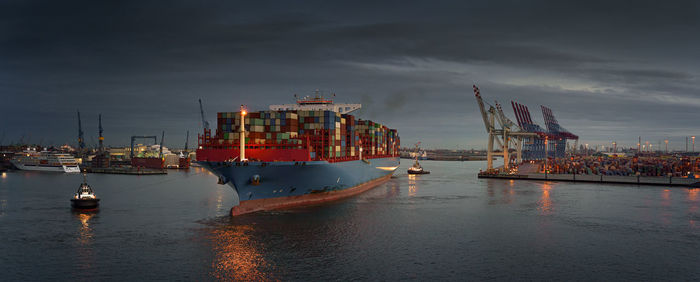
(505, 134)
(161, 144)
(205, 123)
(187, 141)
(81, 139)
(100, 131)
(133, 138)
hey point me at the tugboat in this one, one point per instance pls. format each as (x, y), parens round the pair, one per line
(84, 198)
(416, 168)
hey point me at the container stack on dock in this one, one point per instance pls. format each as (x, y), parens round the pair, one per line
(325, 135)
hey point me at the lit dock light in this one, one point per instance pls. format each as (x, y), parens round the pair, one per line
(241, 138)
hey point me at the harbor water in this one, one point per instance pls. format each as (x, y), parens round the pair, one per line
(447, 225)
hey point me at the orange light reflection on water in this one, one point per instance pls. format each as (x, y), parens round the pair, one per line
(85, 238)
(412, 187)
(666, 202)
(666, 194)
(693, 194)
(236, 255)
(693, 206)
(544, 205)
(85, 233)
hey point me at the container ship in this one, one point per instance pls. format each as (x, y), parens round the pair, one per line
(299, 154)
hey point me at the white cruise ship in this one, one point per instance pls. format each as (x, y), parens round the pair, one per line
(45, 161)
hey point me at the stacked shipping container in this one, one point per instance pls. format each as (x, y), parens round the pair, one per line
(327, 135)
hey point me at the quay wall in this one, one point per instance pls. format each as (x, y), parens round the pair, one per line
(639, 180)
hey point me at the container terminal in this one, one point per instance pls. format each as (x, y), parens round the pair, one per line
(530, 152)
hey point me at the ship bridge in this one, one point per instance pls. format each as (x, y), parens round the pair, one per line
(317, 103)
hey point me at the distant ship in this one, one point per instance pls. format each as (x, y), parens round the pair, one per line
(420, 155)
(299, 154)
(45, 161)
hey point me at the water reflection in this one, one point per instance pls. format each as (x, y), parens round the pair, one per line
(85, 233)
(237, 254)
(666, 203)
(85, 240)
(666, 196)
(220, 199)
(3, 202)
(393, 189)
(693, 205)
(507, 193)
(3, 207)
(693, 194)
(412, 186)
(544, 205)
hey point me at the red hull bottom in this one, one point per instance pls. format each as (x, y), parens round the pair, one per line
(304, 200)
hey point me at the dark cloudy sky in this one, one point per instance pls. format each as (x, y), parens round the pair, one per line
(610, 70)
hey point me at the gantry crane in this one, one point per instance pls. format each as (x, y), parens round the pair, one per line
(506, 134)
(133, 138)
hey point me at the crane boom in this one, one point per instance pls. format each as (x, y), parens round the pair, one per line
(504, 120)
(81, 140)
(161, 144)
(482, 108)
(205, 123)
(100, 130)
(187, 140)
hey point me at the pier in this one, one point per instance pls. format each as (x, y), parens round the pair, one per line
(127, 170)
(609, 179)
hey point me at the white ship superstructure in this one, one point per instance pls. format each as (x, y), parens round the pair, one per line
(45, 161)
(317, 103)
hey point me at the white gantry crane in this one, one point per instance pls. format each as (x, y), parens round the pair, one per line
(507, 134)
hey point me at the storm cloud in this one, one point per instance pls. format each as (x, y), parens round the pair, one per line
(610, 70)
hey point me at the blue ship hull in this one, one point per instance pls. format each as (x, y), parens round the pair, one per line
(273, 185)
